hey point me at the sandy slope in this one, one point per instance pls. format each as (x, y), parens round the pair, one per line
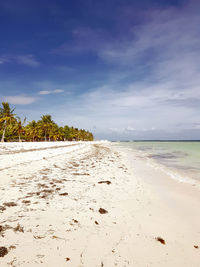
(50, 202)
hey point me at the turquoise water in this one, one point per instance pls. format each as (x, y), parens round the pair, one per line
(184, 157)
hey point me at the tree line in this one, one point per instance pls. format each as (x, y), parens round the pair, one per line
(13, 128)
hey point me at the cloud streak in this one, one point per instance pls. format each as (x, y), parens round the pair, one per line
(27, 60)
(48, 92)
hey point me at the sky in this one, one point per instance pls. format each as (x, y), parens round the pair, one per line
(123, 69)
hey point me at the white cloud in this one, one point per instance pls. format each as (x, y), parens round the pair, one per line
(27, 60)
(57, 91)
(44, 92)
(19, 100)
(122, 130)
(47, 92)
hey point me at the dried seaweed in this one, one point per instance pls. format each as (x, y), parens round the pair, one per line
(161, 240)
(10, 204)
(3, 251)
(103, 211)
(104, 182)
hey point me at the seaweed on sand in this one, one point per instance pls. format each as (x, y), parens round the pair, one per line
(103, 211)
(104, 182)
(10, 204)
(18, 228)
(3, 251)
(161, 240)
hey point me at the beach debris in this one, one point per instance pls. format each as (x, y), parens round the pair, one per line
(26, 201)
(3, 251)
(18, 228)
(41, 185)
(96, 222)
(78, 173)
(2, 208)
(9, 204)
(38, 237)
(195, 246)
(75, 221)
(103, 211)
(12, 247)
(67, 259)
(57, 181)
(44, 196)
(63, 194)
(48, 191)
(30, 194)
(57, 237)
(161, 240)
(45, 192)
(74, 164)
(104, 182)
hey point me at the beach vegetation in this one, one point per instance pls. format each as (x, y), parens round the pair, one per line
(13, 128)
(6, 118)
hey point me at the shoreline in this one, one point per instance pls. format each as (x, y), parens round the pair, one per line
(177, 174)
(95, 204)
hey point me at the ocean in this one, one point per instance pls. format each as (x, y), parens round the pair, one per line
(180, 158)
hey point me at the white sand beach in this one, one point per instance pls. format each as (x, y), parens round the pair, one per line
(93, 204)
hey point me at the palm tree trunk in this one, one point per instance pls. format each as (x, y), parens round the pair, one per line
(3, 135)
(19, 138)
(45, 136)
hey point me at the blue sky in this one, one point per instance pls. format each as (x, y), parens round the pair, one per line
(122, 69)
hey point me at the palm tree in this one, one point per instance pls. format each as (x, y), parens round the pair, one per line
(53, 131)
(32, 130)
(6, 117)
(45, 124)
(19, 126)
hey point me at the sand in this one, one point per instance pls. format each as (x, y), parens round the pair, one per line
(93, 204)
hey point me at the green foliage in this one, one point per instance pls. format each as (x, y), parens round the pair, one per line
(6, 118)
(12, 128)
